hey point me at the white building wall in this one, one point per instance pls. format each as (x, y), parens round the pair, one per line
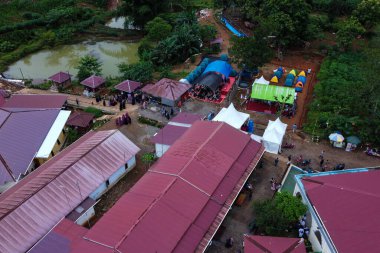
(82, 220)
(317, 247)
(113, 179)
(161, 149)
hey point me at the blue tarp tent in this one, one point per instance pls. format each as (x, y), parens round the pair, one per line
(289, 82)
(301, 79)
(219, 66)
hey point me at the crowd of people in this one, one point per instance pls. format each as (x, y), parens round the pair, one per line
(303, 229)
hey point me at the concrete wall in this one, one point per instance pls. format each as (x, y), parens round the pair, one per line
(57, 147)
(113, 179)
(82, 220)
(161, 149)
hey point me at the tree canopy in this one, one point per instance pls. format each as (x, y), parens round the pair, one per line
(158, 29)
(88, 65)
(141, 71)
(276, 215)
(348, 32)
(368, 13)
(347, 98)
(250, 52)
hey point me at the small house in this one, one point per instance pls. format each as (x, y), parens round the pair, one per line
(81, 121)
(93, 84)
(128, 87)
(61, 79)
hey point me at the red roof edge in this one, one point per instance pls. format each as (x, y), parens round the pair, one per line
(225, 209)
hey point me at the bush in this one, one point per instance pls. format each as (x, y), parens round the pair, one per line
(141, 71)
(97, 112)
(150, 122)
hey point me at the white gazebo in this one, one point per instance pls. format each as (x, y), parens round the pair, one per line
(261, 80)
(232, 117)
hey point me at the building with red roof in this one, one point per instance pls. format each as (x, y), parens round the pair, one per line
(266, 244)
(80, 120)
(128, 86)
(344, 207)
(23, 102)
(61, 79)
(181, 201)
(166, 136)
(168, 92)
(63, 185)
(93, 83)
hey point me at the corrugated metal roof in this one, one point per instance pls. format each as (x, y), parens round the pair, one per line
(264, 244)
(173, 208)
(26, 102)
(186, 118)
(63, 182)
(93, 81)
(128, 86)
(80, 119)
(167, 88)
(351, 210)
(21, 135)
(169, 134)
(60, 77)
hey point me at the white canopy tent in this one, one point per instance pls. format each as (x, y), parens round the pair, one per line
(261, 80)
(273, 136)
(232, 117)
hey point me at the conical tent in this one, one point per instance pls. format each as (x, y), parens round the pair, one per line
(293, 72)
(261, 80)
(290, 76)
(302, 73)
(274, 79)
(301, 79)
(273, 136)
(288, 82)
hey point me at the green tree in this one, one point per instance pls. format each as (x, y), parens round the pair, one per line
(207, 33)
(276, 215)
(251, 52)
(88, 65)
(348, 32)
(141, 71)
(148, 159)
(142, 11)
(183, 42)
(368, 13)
(158, 29)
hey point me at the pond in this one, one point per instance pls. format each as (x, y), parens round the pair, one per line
(119, 22)
(45, 63)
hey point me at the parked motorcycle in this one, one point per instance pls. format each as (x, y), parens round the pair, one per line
(288, 146)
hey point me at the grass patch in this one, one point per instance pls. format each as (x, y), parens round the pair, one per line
(97, 112)
(150, 122)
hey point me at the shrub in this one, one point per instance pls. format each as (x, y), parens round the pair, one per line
(97, 112)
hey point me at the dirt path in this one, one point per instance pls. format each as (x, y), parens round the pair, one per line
(113, 4)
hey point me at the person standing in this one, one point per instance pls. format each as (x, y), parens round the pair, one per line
(276, 162)
(321, 162)
(301, 231)
(294, 127)
(322, 154)
(77, 101)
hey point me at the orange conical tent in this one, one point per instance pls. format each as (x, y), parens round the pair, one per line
(299, 84)
(302, 73)
(274, 79)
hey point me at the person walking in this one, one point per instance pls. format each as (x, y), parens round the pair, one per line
(276, 162)
(77, 101)
(322, 154)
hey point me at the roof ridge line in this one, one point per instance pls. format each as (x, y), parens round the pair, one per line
(60, 173)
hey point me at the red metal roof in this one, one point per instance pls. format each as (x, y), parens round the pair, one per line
(173, 206)
(264, 244)
(60, 77)
(167, 88)
(169, 134)
(25, 102)
(186, 118)
(39, 201)
(80, 119)
(351, 210)
(93, 81)
(128, 86)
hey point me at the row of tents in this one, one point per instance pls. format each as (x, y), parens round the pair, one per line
(291, 79)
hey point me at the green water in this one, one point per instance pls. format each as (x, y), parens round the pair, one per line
(45, 63)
